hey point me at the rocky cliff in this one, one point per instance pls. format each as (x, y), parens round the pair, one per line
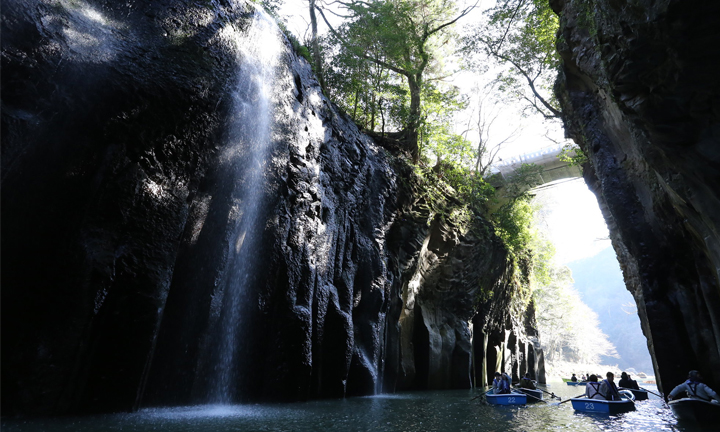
(145, 235)
(640, 95)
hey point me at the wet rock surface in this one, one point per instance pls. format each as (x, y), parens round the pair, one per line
(120, 202)
(640, 95)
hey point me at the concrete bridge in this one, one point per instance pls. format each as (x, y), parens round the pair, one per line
(553, 168)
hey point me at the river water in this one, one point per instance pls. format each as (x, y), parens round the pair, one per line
(450, 410)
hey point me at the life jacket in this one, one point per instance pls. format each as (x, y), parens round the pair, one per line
(503, 385)
(612, 391)
(594, 390)
(692, 390)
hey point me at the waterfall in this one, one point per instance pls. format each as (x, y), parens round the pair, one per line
(247, 154)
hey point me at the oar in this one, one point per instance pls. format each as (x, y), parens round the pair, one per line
(551, 394)
(652, 393)
(529, 395)
(483, 394)
(567, 400)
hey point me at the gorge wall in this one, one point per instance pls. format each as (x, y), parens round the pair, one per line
(640, 95)
(128, 135)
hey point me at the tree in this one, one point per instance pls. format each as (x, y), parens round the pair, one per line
(520, 34)
(402, 36)
(569, 329)
(317, 58)
(483, 116)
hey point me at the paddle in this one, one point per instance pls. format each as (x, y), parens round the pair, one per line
(551, 394)
(529, 395)
(483, 394)
(567, 400)
(653, 393)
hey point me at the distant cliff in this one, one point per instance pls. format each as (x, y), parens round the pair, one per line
(640, 95)
(132, 275)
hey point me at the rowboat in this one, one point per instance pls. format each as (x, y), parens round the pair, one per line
(537, 395)
(571, 383)
(639, 394)
(602, 406)
(696, 410)
(605, 406)
(513, 398)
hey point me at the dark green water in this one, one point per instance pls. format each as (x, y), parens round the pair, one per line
(417, 411)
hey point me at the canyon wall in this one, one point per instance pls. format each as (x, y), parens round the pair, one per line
(127, 138)
(640, 95)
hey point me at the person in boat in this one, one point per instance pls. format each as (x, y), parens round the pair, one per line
(592, 388)
(573, 378)
(695, 389)
(583, 378)
(526, 382)
(608, 388)
(626, 382)
(501, 383)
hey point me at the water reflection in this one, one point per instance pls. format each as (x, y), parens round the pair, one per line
(418, 411)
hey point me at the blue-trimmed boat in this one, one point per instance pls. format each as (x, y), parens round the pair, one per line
(572, 383)
(601, 406)
(696, 410)
(513, 398)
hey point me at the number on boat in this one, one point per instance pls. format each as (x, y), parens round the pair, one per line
(511, 400)
(589, 406)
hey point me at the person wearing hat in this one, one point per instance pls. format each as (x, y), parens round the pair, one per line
(694, 388)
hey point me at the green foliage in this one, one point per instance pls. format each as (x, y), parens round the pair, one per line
(439, 107)
(272, 6)
(573, 155)
(520, 34)
(382, 57)
(513, 223)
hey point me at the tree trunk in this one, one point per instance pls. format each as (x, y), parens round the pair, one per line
(414, 121)
(316, 47)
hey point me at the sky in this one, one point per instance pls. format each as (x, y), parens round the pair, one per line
(570, 212)
(572, 218)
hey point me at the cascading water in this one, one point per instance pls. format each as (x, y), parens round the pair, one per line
(258, 48)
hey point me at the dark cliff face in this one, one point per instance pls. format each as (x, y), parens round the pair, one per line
(640, 95)
(127, 141)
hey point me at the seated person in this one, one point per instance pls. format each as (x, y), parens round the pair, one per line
(526, 382)
(634, 383)
(592, 388)
(626, 382)
(573, 378)
(608, 388)
(583, 378)
(501, 384)
(694, 388)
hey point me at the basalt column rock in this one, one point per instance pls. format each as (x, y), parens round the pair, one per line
(640, 95)
(126, 134)
(444, 272)
(111, 116)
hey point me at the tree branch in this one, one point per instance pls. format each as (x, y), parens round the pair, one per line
(556, 113)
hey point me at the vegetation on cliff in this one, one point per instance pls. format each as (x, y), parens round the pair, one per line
(385, 66)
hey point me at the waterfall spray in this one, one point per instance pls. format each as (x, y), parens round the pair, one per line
(258, 50)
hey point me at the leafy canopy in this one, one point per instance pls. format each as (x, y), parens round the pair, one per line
(520, 36)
